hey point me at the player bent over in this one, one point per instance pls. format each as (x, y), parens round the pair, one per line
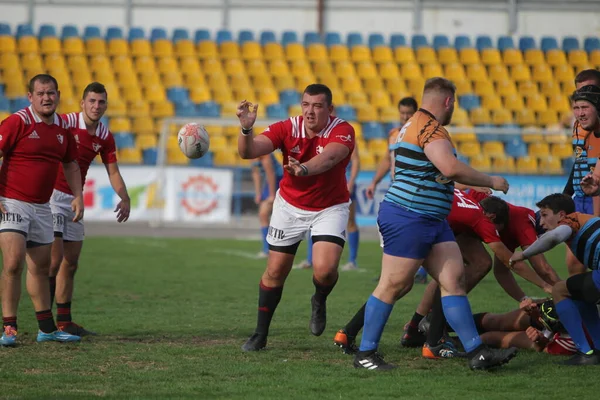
(92, 138)
(312, 198)
(34, 142)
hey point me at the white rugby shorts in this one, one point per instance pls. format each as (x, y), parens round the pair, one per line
(289, 225)
(33, 220)
(64, 227)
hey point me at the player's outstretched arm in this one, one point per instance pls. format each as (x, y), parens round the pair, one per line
(440, 153)
(543, 268)
(73, 177)
(118, 184)
(507, 280)
(250, 146)
(546, 242)
(332, 154)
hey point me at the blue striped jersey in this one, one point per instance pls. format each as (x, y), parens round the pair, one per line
(585, 240)
(586, 149)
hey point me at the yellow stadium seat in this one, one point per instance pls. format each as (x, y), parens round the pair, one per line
(339, 53)
(95, 47)
(501, 116)
(50, 45)
(415, 86)
(542, 73)
(460, 117)
(140, 48)
(366, 70)
(559, 102)
(476, 73)
(273, 51)
(530, 136)
(28, 44)
(534, 57)
(144, 63)
(491, 102)
(73, 46)
(8, 44)
(225, 158)
(498, 73)
(556, 57)
(595, 58)
(480, 116)
(404, 55)
(139, 108)
(229, 50)
(547, 117)
(351, 84)
(322, 68)
(81, 78)
(491, 57)
(525, 117)
(561, 150)
(512, 57)
(122, 63)
(189, 65)
(367, 160)
(536, 102)
(455, 72)
(345, 69)
(300, 67)
(550, 165)
(199, 94)
(162, 48)
(558, 138)
(380, 99)
(463, 87)
(77, 63)
(578, 58)
(55, 62)
(359, 99)
(527, 165)
(462, 134)
(242, 82)
(284, 83)
(550, 88)
(279, 68)
(493, 149)
(212, 66)
(244, 93)
(568, 86)
(11, 61)
(207, 50)
(469, 149)
(144, 142)
(504, 165)
(388, 70)
(520, 72)
(564, 73)
(172, 142)
(388, 114)
(267, 96)
(378, 146)
(256, 68)
(117, 108)
(372, 84)
(119, 124)
(118, 47)
(506, 88)
(162, 109)
(527, 88)
(218, 143)
(251, 51)
(432, 70)
(469, 56)
(68, 105)
(296, 109)
(360, 54)
(382, 54)
(235, 67)
(28, 61)
(447, 55)
(154, 93)
(317, 52)
(484, 88)
(426, 55)
(410, 71)
(176, 157)
(294, 52)
(185, 48)
(15, 88)
(303, 81)
(130, 156)
(222, 94)
(194, 79)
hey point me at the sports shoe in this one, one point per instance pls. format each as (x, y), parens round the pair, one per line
(57, 336)
(345, 342)
(9, 336)
(349, 267)
(486, 358)
(424, 324)
(371, 360)
(318, 319)
(412, 337)
(582, 359)
(74, 329)
(304, 264)
(256, 342)
(444, 349)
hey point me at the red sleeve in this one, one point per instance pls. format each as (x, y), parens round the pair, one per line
(477, 196)
(9, 132)
(109, 150)
(485, 229)
(343, 134)
(524, 229)
(276, 133)
(71, 153)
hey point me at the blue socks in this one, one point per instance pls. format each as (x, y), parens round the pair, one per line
(353, 238)
(376, 315)
(264, 230)
(458, 314)
(569, 315)
(422, 271)
(309, 245)
(591, 320)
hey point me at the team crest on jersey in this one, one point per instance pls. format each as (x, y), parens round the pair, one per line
(60, 138)
(96, 147)
(319, 149)
(578, 152)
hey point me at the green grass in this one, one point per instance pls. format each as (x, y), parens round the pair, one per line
(173, 314)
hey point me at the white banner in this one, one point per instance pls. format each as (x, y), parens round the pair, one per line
(191, 194)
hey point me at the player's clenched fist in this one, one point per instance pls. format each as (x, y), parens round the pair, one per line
(590, 184)
(294, 167)
(246, 112)
(499, 183)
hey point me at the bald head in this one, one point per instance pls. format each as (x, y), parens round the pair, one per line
(438, 99)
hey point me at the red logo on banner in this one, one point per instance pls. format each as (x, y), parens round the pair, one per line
(199, 195)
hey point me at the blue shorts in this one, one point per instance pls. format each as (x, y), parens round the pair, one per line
(409, 234)
(584, 204)
(265, 192)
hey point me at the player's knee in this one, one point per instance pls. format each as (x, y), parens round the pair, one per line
(560, 291)
(12, 267)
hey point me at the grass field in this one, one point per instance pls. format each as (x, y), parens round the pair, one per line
(173, 314)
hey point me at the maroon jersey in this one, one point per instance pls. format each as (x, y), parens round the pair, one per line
(467, 215)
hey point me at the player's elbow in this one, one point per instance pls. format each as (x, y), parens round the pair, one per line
(449, 169)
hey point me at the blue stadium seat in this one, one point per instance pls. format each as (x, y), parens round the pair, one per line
(69, 31)
(288, 98)
(178, 95)
(180, 34)
(185, 108)
(486, 137)
(1, 89)
(373, 130)
(332, 39)
(526, 43)
(204, 161)
(208, 109)
(388, 126)
(158, 33)
(224, 35)
(505, 42)
(440, 41)
(312, 38)
(18, 103)
(376, 40)
(4, 104)
(462, 42)
(463, 158)
(469, 102)
(591, 43)
(354, 39)
(288, 37)
(124, 140)
(267, 37)
(277, 111)
(201, 35)
(245, 36)
(346, 113)
(570, 43)
(5, 29)
(149, 156)
(91, 31)
(136, 33)
(484, 42)
(418, 41)
(104, 120)
(114, 32)
(516, 148)
(397, 40)
(548, 43)
(47, 30)
(24, 30)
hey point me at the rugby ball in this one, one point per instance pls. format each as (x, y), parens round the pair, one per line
(193, 140)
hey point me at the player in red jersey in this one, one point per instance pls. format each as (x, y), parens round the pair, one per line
(312, 198)
(33, 142)
(92, 138)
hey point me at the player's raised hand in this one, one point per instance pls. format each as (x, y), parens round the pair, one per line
(590, 184)
(77, 208)
(246, 112)
(123, 209)
(370, 191)
(499, 183)
(293, 167)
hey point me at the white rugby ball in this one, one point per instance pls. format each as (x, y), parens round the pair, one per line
(193, 140)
